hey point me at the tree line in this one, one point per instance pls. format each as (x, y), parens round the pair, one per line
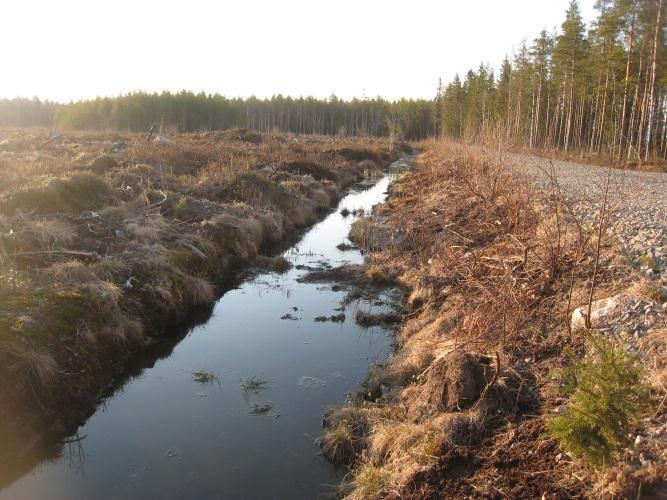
(602, 90)
(189, 112)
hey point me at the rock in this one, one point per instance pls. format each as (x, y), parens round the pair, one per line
(639, 439)
(603, 313)
(103, 163)
(129, 284)
(645, 459)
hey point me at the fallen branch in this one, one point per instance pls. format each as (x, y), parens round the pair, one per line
(75, 440)
(158, 203)
(50, 140)
(195, 250)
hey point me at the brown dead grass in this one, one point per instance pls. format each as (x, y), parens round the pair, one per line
(490, 263)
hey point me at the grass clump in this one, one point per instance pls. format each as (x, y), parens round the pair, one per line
(359, 231)
(379, 275)
(654, 292)
(281, 265)
(367, 319)
(73, 193)
(345, 437)
(650, 262)
(370, 480)
(606, 397)
(182, 210)
(344, 247)
(254, 384)
(204, 377)
(278, 264)
(347, 429)
(260, 409)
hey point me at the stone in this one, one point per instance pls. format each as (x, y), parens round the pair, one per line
(645, 459)
(603, 313)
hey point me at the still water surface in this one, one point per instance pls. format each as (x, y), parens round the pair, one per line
(164, 435)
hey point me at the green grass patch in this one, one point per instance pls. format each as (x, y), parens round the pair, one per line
(182, 210)
(204, 377)
(254, 384)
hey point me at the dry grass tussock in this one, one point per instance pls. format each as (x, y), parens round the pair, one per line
(494, 268)
(107, 238)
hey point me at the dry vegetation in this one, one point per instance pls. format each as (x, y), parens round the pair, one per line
(106, 239)
(461, 409)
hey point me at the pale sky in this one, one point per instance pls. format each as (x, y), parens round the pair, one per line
(72, 49)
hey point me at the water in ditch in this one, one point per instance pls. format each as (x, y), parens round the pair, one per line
(186, 427)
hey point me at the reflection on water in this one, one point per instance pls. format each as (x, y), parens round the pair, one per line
(171, 434)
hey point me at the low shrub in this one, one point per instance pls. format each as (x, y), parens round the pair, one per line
(606, 397)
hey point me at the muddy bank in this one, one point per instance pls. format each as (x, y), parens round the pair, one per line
(108, 240)
(463, 408)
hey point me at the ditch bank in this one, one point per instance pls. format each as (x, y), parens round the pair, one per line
(109, 241)
(483, 396)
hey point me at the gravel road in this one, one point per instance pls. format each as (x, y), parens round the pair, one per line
(638, 200)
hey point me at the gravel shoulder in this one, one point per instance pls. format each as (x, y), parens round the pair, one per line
(638, 201)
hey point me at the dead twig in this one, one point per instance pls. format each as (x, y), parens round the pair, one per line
(48, 141)
(73, 253)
